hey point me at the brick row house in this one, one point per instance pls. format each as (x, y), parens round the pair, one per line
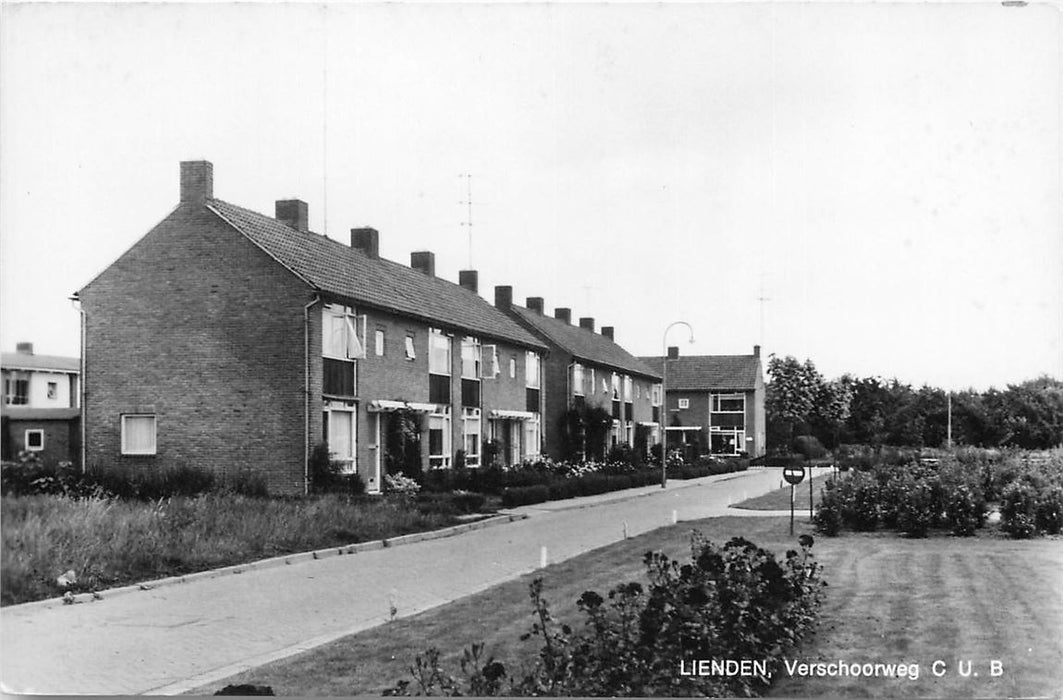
(585, 368)
(228, 340)
(716, 400)
(40, 411)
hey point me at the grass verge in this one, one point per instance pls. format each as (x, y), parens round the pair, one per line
(889, 600)
(113, 542)
(780, 498)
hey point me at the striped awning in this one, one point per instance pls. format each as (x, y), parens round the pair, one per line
(511, 415)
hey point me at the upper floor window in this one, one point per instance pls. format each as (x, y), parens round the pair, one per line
(378, 342)
(471, 358)
(53, 390)
(513, 368)
(16, 392)
(531, 369)
(438, 352)
(342, 333)
(627, 388)
(684, 403)
(490, 356)
(616, 386)
(728, 403)
(411, 353)
(655, 395)
(577, 379)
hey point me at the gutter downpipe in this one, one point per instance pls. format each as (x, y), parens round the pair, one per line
(306, 393)
(81, 386)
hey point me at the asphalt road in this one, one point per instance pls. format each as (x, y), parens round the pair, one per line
(174, 638)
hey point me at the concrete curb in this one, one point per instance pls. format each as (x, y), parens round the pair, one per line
(283, 560)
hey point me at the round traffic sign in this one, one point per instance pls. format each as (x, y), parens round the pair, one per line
(793, 475)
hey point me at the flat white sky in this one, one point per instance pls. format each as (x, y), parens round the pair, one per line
(890, 173)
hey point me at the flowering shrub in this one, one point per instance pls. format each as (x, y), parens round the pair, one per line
(401, 484)
(1018, 510)
(965, 510)
(1050, 510)
(732, 602)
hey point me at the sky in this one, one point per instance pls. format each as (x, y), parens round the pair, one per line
(875, 187)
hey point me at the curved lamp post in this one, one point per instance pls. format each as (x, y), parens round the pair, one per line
(664, 399)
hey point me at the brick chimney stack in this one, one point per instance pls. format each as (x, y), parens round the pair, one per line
(563, 314)
(535, 304)
(425, 261)
(673, 352)
(197, 181)
(503, 297)
(470, 279)
(294, 213)
(367, 240)
(24, 348)
(587, 322)
(607, 331)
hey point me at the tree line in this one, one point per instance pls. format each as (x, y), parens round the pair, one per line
(876, 411)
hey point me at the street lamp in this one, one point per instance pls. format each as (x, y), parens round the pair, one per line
(664, 399)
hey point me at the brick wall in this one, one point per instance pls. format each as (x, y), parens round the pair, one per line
(200, 327)
(61, 439)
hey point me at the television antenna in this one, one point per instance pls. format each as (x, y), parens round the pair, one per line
(467, 224)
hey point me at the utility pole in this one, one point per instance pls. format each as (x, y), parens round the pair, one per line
(948, 439)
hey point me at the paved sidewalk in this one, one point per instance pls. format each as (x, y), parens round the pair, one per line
(179, 637)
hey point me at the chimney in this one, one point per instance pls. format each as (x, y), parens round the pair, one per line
(367, 240)
(587, 322)
(756, 351)
(24, 348)
(503, 296)
(563, 315)
(470, 279)
(673, 352)
(535, 304)
(607, 331)
(197, 181)
(294, 213)
(424, 261)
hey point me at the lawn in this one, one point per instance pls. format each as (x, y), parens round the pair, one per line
(115, 542)
(780, 498)
(889, 600)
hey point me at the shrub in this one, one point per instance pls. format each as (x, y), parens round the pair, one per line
(809, 446)
(455, 503)
(964, 509)
(916, 512)
(1050, 510)
(861, 508)
(730, 602)
(828, 516)
(1018, 510)
(525, 495)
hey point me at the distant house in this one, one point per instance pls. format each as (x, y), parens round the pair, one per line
(40, 409)
(229, 340)
(716, 400)
(587, 368)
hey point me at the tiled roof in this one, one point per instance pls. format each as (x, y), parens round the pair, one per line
(28, 413)
(584, 344)
(21, 360)
(710, 372)
(332, 267)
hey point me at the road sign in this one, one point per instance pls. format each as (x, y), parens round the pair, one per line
(793, 475)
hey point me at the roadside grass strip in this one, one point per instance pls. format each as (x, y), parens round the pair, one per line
(911, 617)
(779, 499)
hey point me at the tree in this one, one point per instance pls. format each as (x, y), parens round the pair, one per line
(791, 397)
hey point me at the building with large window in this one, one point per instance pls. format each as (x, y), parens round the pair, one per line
(586, 369)
(229, 340)
(40, 405)
(715, 400)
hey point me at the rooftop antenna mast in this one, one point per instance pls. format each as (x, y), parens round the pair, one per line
(761, 299)
(468, 211)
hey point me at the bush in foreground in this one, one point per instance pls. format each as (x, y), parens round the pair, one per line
(730, 602)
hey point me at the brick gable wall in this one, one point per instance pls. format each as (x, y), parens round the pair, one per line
(202, 328)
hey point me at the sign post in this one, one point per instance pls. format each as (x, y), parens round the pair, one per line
(794, 476)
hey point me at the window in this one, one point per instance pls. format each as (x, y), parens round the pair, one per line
(493, 370)
(512, 368)
(592, 382)
(411, 354)
(616, 386)
(531, 369)
(438, 352)
(577, 379)
(439, 440)
(379, 342)
(343, 333)
(471, 427)
(471, 358)
(16, 392)
(341, 425)
(655, 394)
(728, 412)
(53, 390)
(532, 439)
(627, 388)
(684, 403)
(34, 440)
(138, 434)
(605, 386)
(728, 403)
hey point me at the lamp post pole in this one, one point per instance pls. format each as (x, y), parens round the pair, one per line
(664, 399)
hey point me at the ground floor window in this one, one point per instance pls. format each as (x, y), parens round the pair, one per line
(341, 436)
(614, 433)
(439, 440)
(727, 442)
(629, 434)
(34, 440)
(471, 429)
(138, 434)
